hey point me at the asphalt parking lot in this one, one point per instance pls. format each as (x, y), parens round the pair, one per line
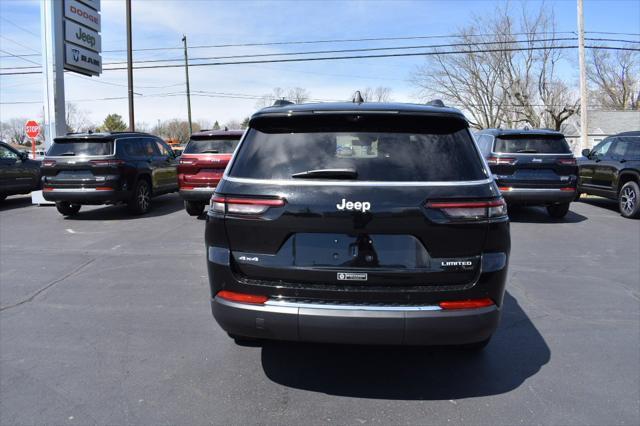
(105, 320)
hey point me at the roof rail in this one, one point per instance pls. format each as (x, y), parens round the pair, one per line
(282, 102)
(357, 98)
(436, 103)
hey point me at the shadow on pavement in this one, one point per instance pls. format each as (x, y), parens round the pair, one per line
(15, 202)
(160, 206)
(605, 203)
(525, 214)
(516, 352)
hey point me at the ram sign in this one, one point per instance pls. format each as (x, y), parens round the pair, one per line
(82, 60)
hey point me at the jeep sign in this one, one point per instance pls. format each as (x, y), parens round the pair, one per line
(82, 60)
(82, 14)
(82, 36)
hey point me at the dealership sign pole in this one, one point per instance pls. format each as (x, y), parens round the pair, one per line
(70, 41)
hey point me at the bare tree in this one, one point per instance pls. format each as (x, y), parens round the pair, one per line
(512, 80)
(376, 94)
(616, 77)
(297, 95)
(77, 120)
(13, 131)
(175, 129)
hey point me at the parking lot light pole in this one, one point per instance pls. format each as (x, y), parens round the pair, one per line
(186, 70)
(130, 68)
(584, 131)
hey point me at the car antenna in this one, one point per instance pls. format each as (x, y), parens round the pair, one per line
(357, 98)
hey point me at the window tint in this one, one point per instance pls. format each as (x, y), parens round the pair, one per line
(7, 153)
(211, 146)
(132, 147)
(484, 143)
(441, 155)
(149, 148)
(627, 148)
(603, 147)
(534, 145)
(164, 150)
(73, 148)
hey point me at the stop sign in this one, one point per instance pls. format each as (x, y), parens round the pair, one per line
(32, 128)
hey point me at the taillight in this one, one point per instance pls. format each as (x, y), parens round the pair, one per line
(471, 209)
(567, 161)
(467, 304)
(243, 206)
(48, 163)
(106, 163)
(254, 299)
(494, 161)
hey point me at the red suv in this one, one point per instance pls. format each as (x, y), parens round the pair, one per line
(202, 165)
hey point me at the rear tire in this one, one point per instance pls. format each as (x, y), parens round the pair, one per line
(194, 208)
(558, 211)
(244, 341)
(67, 209)
(629, 200)
(140, 202)
(2, 197)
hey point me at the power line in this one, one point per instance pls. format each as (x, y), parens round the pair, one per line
(351, 57)
(24, 59)
(431, 46)
(19, 27)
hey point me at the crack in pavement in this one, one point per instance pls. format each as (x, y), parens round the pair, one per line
(49, 285)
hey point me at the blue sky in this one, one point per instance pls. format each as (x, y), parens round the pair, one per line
(161, 23)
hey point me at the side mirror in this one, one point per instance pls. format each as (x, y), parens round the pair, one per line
(23, 155)
(586, 152)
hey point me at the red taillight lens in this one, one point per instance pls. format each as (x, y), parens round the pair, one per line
(494, 161)
(48, 163)
(254, 299)
(471, 209)
(568, 189)
(106, 163)
(243, 206)
(467, 304)
(567, 161)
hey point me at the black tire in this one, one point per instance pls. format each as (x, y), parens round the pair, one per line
(244, 341)
(578, 195)
(194, 208)
(629, 200)
(2, 197)
(140, 202)
(558, 210)
(66, 208)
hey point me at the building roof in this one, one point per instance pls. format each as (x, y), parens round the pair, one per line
(605, 123)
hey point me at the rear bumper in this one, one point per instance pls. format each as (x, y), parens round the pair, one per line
(85, 195)
(197, 194)
(538, 195)
(393, 325)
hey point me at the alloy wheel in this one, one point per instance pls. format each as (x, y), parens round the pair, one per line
(628, 200)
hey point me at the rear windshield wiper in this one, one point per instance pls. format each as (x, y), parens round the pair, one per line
(69, 153)
(209, 151)
(527, 151)
(327, 174)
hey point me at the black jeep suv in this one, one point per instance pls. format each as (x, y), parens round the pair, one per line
(18, 174)
(612, 170)
(108, 168)
(358, 223)
(531, 167)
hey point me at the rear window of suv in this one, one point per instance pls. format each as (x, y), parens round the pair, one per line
(531, 144)
(211, 146)
(75, 148)
(376, 148)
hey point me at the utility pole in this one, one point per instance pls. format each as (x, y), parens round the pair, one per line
(132, 122)
(584, 130)
(186, 70)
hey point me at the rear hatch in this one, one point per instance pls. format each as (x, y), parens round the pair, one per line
(204, 160)
(87, 163)
(337, 200)
(533, 161)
